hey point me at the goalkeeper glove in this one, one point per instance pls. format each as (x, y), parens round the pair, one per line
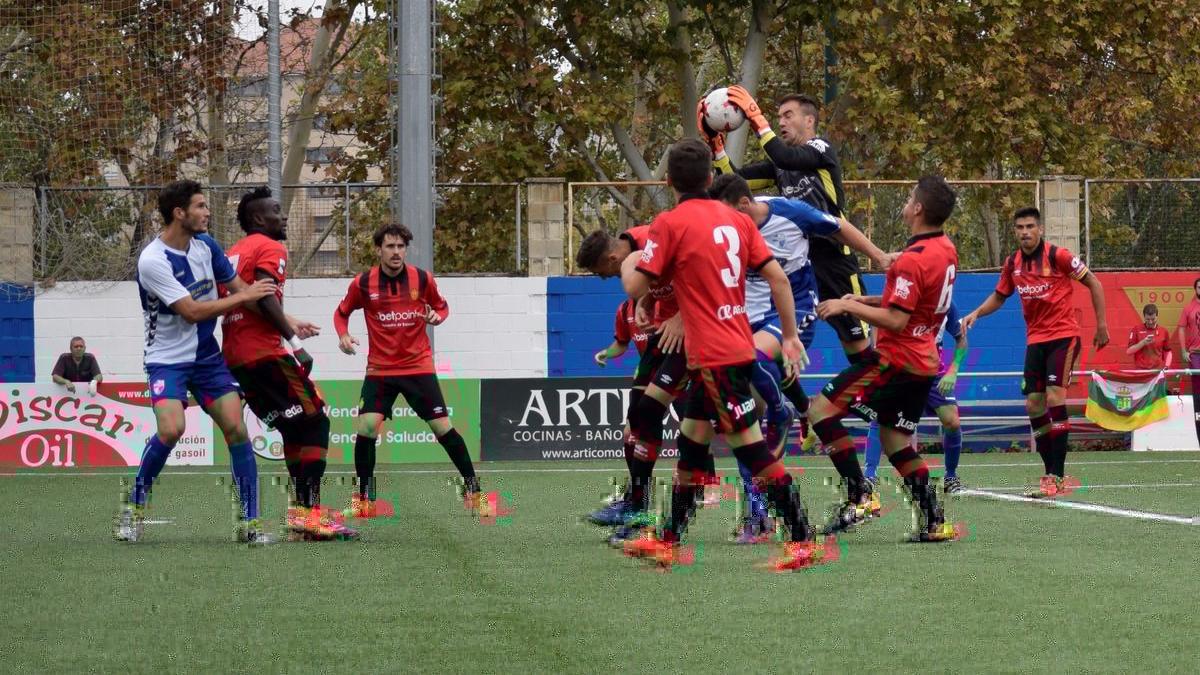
(715, 140)
(741, 98)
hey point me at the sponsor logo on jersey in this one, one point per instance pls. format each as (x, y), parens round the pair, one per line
(1033, 290)
(727, 312)
(819, 144)
(903, 288)
(400, 316)
(648, 250)
(200, 288)
(740, 410)
(922, 330)
(293, 411)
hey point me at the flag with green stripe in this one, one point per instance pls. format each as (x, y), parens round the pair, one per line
(1127, 401)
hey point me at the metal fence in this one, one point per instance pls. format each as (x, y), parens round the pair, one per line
(979, 225)
(1142, 223)
(95, 233)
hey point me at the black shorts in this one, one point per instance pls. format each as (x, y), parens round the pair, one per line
(838, 276)
(1049, 364)
(722, 396)
(277, 390)
(882, 392)
(667, 371)
(421, 392)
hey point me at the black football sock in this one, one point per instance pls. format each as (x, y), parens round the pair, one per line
(689, 480)
(1041, 440)
(771, 477)
(456, 448)
(364, 466)
(795, 393)
(1060, 431)
(843, 454)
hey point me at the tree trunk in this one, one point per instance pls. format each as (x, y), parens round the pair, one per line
(683, 69)
(761, 14)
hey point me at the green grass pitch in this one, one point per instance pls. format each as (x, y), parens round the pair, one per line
(432, 590)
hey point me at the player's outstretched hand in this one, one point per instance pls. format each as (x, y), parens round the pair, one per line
(601, 358)
(741, 98)
(346, 344)
(1101, 337)
(259, 289)
(431, 317)
(305, 330)
(968, 321)
(795, 359)
(715, 139)
(670, 333)
(304, 359)
(830, 308)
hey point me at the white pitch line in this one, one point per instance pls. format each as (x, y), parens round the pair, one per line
(1118, 486)
(667, 469)
(1084, 506)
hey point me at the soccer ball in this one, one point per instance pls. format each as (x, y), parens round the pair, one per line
(719, 114)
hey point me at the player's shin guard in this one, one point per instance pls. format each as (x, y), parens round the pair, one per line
(688, 486)
(646, 423)
(771, 478)
(952, 447)
(1060, 430)
(154, 458)
(765, 377)
(245, 476)
(364, 466)
(456, 448)
(1041, 440)
(842, 452)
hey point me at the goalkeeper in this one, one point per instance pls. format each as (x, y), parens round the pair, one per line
(941, 402)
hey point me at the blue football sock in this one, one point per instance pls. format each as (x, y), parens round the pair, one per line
(765, 376)
(874, 450)
(154, 458)
(952, 446)
(756, 499)
(245, 477)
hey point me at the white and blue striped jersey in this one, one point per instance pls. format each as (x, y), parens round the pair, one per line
(787, 230)
(165, 276)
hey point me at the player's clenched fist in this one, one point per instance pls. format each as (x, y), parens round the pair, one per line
(346, 344)
(741, 98)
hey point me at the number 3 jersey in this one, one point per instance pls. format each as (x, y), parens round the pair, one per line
(920, 283)
(247, 337)
(395, 309)
(704, 249)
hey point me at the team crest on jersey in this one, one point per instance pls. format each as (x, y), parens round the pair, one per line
(648, 251)
(1076, 263)
(903, 287)
(412, 293)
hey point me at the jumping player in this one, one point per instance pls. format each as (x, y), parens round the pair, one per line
(177, 277)
(1041, 274)
(704, 248)
(788, 226)
(398, 301)
(941, 402)
(276, 384)
(891, 382)
(660, 378)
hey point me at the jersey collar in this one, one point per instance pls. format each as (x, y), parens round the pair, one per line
(693, 195)
(1037, 251)
(928, 235)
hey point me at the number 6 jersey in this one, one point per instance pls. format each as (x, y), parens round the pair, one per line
(704, 248)
(921, 283)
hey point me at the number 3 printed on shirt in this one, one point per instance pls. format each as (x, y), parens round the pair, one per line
(726, 234)
(947, 295)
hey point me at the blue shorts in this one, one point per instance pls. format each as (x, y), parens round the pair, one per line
(936, 400)
(207, 381)
(805, 323)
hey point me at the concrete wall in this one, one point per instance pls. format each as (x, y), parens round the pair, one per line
(497, 327)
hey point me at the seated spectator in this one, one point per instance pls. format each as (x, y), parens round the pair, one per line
(1150, 343)
(77, 366)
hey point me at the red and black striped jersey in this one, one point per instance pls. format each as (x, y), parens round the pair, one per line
(395, 309)
(1044, 281)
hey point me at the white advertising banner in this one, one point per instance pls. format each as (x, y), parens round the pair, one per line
(1177, 432)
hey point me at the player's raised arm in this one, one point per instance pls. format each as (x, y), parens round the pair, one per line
(804, 157)
(341, 316)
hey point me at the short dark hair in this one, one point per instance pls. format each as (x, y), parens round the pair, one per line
(1150, 309)
(244, 217)
(937, 199)
(1028, 212)
(593, 247)
(176, 195)
(689, 165)
(77, 338)
(394, 230)
(807, 103)
(730, 188)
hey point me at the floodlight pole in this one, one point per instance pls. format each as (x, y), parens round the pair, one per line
(412, 147)
(274, 106)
